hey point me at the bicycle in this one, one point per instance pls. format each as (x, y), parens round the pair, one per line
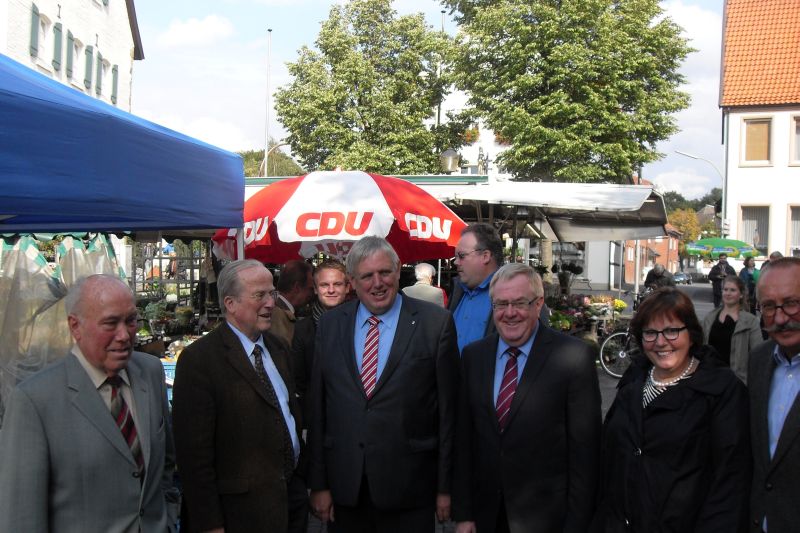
(617, 353)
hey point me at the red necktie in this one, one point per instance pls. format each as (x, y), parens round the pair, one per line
(508, 386)
(369, 365)
(124, 419)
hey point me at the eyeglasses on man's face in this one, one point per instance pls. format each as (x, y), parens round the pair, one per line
(789, 308)
(263, 296)
(519, 305)
(671, 334)
(461, 255)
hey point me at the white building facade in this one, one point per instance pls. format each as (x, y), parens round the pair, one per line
(763, 177)
(89, 45)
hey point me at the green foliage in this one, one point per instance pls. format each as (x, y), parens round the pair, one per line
(280, 164)
(674, 200)
(583, 89)
(360, 99)
(685, 220)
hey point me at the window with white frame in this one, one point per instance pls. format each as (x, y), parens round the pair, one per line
(755, 227)
(756, 145)
(794, 142)
(630, 254)
(794, 228)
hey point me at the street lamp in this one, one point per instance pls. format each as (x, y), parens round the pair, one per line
(723, 228)
(449, 161)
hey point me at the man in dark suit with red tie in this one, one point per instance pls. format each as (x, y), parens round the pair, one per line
(528, 426)
(236, 417)
(383, 393)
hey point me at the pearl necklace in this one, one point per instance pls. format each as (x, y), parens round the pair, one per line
(664, 384)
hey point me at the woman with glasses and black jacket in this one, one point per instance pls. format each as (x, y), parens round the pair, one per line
(676, 444)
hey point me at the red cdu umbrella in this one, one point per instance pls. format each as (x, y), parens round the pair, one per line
(328, 211)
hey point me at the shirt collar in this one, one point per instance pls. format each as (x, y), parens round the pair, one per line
(525, 348)
(289, 305)
(389, 318)
(780, 358)
(483, 286)
(97, 376)
(247, 344)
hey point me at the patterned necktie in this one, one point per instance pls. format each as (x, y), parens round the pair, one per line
(124, 419)
(369, 364)
(508, 386)
(288, 447)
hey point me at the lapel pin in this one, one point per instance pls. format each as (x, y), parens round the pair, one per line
(413, 322)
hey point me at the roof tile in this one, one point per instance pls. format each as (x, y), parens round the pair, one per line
(761, 54)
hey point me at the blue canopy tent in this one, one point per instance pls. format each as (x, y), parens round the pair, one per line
(70, 162)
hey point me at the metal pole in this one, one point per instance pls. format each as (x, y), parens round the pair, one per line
(266, 125)
(723, 182)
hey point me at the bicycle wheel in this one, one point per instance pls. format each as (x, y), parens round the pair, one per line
(615, 354)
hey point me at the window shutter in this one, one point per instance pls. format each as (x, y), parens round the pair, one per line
(57, 46)
(98, 85)
(70, 52)
(114, 83)
(87, 74)
(34, 30)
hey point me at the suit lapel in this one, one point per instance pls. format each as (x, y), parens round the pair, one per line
(143, 405)
(759, 381)
(234, 354)
(406, 325)
(540, 352)
(346, 336)
(87, 401)
(486, 370)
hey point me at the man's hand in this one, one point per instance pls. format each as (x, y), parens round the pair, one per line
(466, 527)
(443, 507)
(322, 505)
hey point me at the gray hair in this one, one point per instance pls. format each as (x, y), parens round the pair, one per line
(228, 283)
(424, 271)
(777, 264)
(367, 247)
(74, 297)
(512, 270)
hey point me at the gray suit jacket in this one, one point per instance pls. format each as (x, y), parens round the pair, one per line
(401, 438)
(776, 482)
(64, 465)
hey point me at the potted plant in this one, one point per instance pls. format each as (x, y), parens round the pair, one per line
(156, 315)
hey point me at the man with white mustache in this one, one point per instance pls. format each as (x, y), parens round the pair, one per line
(773, 376)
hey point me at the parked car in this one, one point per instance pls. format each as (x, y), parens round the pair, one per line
(682, 278)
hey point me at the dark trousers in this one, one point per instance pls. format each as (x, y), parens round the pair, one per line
(298, 505)
(365, 518)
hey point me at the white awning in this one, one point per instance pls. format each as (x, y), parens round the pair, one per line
(574, 211)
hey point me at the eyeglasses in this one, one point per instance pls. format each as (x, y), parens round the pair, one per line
(263, 296)
(650, 335)
(519, 305)
(789, 307)
(461, 255)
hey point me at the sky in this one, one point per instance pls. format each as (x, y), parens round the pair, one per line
(206, 64)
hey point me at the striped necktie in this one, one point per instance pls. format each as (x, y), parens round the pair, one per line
(508, 386)
(369, 364)
(124, 419)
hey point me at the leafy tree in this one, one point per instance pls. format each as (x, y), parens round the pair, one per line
(713, 197)
(583, 89)
(280, 164)
(674, 200)
(685, 220)
(361, 99)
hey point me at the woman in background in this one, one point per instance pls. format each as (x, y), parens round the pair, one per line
(748, 276)
(676, 441)
(730, 329)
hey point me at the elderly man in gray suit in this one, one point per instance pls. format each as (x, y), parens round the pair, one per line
(86, 443)
(423, 289)
(774, 369)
